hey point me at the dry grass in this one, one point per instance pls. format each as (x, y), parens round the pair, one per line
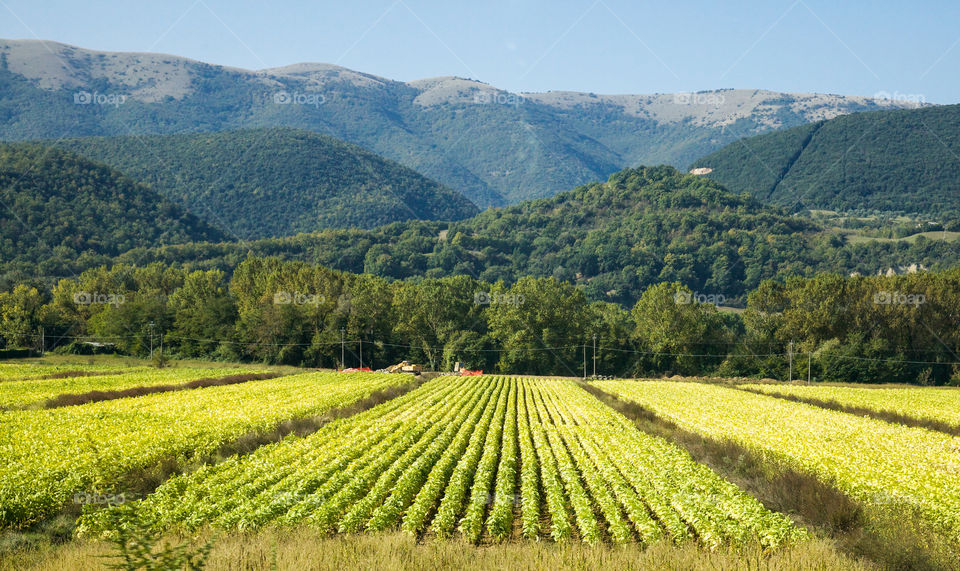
(936, 235)
(69, 374)
(305, 549)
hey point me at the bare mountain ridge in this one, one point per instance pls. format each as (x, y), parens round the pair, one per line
(152, 76)
(494, 146)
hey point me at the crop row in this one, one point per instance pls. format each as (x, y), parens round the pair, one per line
(30, 370)
(941, 405)
(28, 392)
(680, 498)
(46, 456)
(874, 462)
(488, 458)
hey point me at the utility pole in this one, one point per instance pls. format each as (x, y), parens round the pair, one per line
(594, 354)
(361, 351)
(790, 354)
(151, 339)
(42, 341)
(584, 360)
(809, 358)
(342, 365)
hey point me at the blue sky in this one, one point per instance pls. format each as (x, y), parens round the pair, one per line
(603, 46)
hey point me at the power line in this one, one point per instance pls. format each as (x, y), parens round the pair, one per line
(597, 349)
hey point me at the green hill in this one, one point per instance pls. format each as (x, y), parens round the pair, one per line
(642, 226)
(59, 208)
(891, 161)
(272, 182)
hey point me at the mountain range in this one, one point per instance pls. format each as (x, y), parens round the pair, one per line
(493, 146)
(138, 158)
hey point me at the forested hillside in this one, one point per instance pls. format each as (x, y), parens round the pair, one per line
(61, 211)
(643, 226)
(889, 161)
(615, 239)
(274, 182)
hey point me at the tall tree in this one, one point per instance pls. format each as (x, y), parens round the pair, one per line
(20, 316)
(539, 324)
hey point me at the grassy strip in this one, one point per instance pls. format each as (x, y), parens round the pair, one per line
(886, 538)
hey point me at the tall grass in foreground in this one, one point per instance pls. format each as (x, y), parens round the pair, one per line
(307, 549)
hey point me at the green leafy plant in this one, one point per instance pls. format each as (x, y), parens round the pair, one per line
(138, 545)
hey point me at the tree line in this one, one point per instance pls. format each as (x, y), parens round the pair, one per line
(827, 327)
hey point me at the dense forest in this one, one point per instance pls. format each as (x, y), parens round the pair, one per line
(888, 161)
(642, 227)
(260, 183)
(61, 208)
(830, 328)
(615, 239)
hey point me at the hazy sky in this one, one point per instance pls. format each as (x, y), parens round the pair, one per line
(604, 46)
